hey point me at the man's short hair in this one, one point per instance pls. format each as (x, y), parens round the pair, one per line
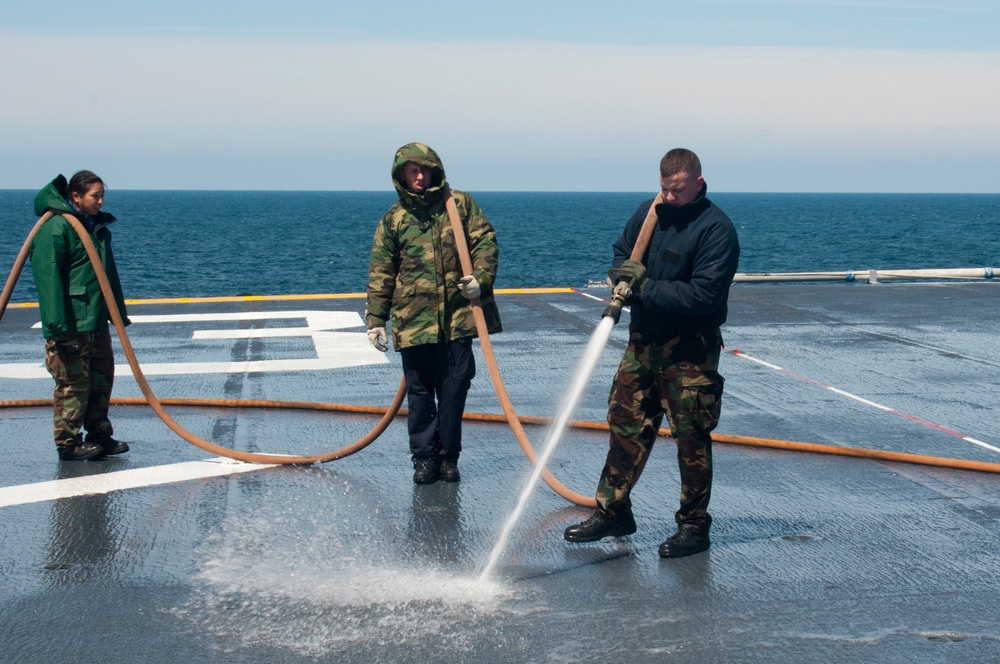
(680, 160)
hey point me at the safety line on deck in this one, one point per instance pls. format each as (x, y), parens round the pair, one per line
(293, 298)
(599, 299)
(912, 418)
(135, 478)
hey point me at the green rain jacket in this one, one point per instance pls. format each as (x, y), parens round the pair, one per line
(69, 295)
(415, 266)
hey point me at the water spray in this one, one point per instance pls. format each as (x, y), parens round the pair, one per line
(622, 291)
(556, 429)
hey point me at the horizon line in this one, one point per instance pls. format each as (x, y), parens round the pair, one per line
(533, 191)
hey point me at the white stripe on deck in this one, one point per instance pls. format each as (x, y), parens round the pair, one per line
(981, 443)
(738, 353)
(124, 479)
(331, 349)
(625, 310)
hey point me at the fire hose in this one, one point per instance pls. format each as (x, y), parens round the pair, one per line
(512, 419)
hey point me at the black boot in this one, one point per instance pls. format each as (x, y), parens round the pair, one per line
(601, 525)
(111, 446)
(425, 471)
(81, 452)
(686, 541)
(448, 472)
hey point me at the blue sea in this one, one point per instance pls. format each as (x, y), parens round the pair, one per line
(205, 243)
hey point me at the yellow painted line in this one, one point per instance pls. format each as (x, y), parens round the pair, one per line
(518, 291)
(289, 298)
(249, 298)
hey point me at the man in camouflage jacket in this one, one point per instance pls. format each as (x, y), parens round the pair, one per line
(416, 282)
(679, 292)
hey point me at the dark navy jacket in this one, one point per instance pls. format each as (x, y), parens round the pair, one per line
(690, 261)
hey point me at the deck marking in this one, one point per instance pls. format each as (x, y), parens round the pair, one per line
(592, 297)
(857, 398)
(981, 443)
(867, 402)
(123, 479)
(287, 298)
(625, 310)
(912, 418)
(333, 350)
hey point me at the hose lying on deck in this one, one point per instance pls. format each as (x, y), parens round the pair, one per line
(140, 378)
(494, 369)
(587, 425)
(394, 409)
(157, 405)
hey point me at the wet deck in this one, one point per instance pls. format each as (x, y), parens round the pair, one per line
(814, 558)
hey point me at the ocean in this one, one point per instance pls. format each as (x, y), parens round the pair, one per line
(211, 243)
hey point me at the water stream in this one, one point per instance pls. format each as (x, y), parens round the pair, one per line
(598, 340)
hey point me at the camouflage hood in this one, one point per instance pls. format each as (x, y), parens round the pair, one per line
(421, 155)
(415, 269)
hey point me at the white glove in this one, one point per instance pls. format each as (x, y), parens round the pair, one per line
(469, 287)
(377, 337)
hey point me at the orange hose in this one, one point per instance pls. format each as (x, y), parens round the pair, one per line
(789, 445)
(395, 408)
(19, 262)
(494, 369)
(151, 399)
(646, 230)
(749, 441)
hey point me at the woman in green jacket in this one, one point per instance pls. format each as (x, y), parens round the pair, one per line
(75, 317)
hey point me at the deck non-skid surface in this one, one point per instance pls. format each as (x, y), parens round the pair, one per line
(166, 554)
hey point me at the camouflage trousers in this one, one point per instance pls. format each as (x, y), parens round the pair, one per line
(681, 379)
(84, 369)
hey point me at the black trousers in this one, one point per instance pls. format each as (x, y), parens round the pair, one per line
(438, 377)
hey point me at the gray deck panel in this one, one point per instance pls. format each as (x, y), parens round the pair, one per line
(814, 558)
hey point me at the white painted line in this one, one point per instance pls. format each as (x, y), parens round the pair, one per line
(857, 398)
(738, 353)
(333, 350)
(981, 444)
(625, 310)
(124, 479)
(592, 297)
(758, 361)
(254, 333)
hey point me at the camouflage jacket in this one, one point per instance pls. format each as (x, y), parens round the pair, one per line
(69, 295)
(415, 267)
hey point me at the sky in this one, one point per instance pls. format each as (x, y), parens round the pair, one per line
(548, 95)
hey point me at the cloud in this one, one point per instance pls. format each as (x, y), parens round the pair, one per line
(271, 113)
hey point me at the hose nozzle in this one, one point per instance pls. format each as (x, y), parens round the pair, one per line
(621, 293)
(614, 310)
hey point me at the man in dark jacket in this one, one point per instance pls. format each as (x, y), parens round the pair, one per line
(416, 281)
(678, 292)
